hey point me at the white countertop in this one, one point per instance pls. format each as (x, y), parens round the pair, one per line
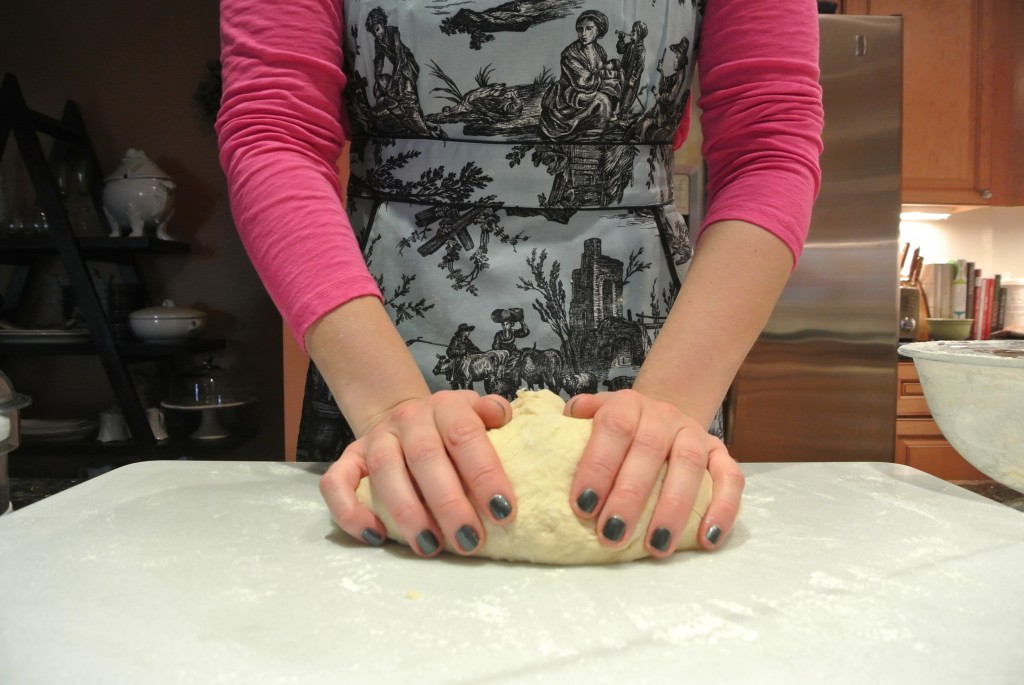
(210, 572)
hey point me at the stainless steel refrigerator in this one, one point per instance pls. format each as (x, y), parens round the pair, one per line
(820, 383)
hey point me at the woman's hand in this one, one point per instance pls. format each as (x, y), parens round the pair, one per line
(633, 436)
(432, 466)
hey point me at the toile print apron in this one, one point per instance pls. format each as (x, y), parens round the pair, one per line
(511, 188)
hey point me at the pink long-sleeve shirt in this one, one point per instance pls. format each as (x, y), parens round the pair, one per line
(282, 128)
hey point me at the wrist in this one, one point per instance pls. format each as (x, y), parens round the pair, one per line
(364, 362)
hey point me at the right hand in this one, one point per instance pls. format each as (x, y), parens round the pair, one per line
(432, 466)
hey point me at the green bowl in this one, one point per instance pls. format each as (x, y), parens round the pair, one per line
(949, 329)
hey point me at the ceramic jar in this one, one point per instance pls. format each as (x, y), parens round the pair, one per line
(138, 196)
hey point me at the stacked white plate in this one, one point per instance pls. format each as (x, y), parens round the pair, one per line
(38, 430)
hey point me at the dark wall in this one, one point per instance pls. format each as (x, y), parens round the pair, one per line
(133, 68)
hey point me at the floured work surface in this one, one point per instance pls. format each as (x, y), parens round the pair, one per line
(169, 572)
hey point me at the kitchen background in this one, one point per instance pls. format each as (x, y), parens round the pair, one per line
(991, 237)
(134, 69)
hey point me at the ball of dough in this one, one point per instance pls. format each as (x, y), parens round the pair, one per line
(540, 450)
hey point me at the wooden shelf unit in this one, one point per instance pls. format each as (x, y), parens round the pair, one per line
(70, 140)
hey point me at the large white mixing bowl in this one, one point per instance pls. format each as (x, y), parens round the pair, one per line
(975, 390)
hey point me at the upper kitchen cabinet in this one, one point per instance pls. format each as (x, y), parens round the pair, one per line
(961, 58)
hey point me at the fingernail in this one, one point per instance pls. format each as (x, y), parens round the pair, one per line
(660, 539)
(587, 500)
(372, 537)
(613, 529)
(570, 404)
(427, 542)
(714, 532)
(467, 538)
(500, 507)
(504, 411)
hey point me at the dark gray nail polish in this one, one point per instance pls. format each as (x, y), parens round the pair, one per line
(427, 542)
(372, 537)
(467, 538)
(587, 501)
(714, 532)
(614, 528)
(500, 507)
(660, 539)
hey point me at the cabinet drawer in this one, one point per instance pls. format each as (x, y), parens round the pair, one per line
(937, 457)
(920, 444)
(909, 393)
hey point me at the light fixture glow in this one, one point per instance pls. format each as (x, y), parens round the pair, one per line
(924, 216)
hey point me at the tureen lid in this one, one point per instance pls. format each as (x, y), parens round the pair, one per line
(136, 164)
(167, 310)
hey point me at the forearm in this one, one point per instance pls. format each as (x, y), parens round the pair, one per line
(734, 281)
(364, 361)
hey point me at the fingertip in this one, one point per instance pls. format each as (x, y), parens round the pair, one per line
(660, 541)
(372, 537)
(501, 509)
(712, 536)
(581, 406)
(426, 543)
(494, 410)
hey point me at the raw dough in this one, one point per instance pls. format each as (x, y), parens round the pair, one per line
(540, 449)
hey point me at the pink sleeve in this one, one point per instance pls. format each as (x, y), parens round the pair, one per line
(280, 132)
(761, 115)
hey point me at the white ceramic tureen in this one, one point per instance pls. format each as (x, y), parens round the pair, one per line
(167, 322)
(138, 196)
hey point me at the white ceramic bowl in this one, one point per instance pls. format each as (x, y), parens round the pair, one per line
(975, 390)
(167, 322)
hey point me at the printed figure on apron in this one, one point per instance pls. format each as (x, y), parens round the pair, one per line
(434, 189)
(631, 47)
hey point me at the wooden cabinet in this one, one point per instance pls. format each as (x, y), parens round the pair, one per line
(960, 60)
(919, 442)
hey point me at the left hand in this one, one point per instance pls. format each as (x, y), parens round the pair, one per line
(632, 438)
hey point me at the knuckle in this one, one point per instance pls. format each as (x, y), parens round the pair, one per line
(447, 505)
(329, 482)
(618, 424)
(477, 478)
(380, 459)
(407, 513)
(603, 470)
(344, 512)
(631, 494)
(424, 452)
(462, 433)
(690, 458)
(651, 443)
(727, 509)
(677, 502)
(735, 479)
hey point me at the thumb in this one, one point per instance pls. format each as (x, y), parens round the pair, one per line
(584, 406)
(493, 410)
